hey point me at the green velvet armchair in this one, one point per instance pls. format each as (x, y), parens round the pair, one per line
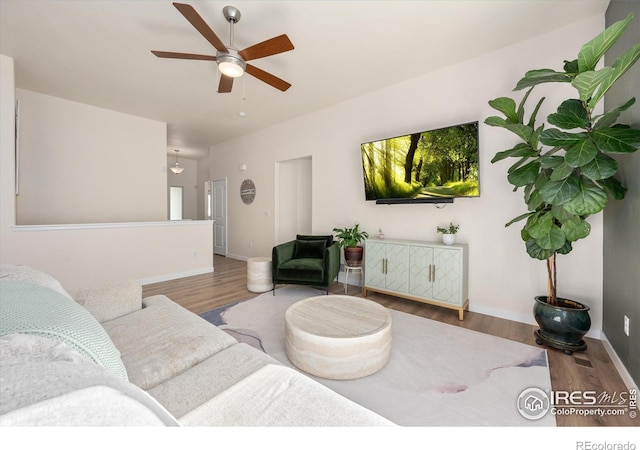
(308, 260)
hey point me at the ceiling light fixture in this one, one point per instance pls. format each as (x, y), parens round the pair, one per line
(231, 65)
(229, 62)
(177, 169)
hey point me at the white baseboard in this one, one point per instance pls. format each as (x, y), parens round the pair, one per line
(617, 362)
(176, 275)
(238, 257)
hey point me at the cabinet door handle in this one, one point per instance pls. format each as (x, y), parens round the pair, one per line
(386, 265)
(433, 271)
(430, 275)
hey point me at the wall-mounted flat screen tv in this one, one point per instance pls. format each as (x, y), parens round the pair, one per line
(425, 167)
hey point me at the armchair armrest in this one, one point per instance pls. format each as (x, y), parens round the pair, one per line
(332, 261)
(281, 253)
(110, 301)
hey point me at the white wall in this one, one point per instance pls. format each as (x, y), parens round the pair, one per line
(83, 255)
(503, 279)
(83, 164)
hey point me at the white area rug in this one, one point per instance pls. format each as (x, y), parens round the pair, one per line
(438, 374)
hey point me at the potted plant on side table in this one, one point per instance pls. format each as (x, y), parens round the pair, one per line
(349, 239)
(566, 171)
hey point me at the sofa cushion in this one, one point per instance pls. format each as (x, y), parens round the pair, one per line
(276, 395)
(309, 249)
(31, 309)
(20, 272)
(302, 269)
(45, 382)
(109, 301)
(163, 340)
(209, 378)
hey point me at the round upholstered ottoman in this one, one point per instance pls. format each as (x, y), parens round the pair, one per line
(259, 277)
(338, 336)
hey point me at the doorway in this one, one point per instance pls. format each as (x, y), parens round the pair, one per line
(176, 197)
(219, 215)
(294, 198)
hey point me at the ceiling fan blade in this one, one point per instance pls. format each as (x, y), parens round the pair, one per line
(199, 24)
(273, 46)
(225, 85)
(267, 78)
(176, 55)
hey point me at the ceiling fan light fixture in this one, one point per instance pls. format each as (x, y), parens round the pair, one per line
(231, 65)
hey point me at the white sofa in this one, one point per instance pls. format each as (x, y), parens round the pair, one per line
(109, 357)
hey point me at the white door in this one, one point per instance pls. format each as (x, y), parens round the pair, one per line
(219, 214)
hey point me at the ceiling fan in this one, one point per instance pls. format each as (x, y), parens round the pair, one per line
(231, 62)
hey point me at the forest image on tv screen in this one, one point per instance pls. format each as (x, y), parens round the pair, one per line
(429, 164)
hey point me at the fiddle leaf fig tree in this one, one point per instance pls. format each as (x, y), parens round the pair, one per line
(566, 171)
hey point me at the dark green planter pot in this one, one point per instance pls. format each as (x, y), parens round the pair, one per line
(562, 326)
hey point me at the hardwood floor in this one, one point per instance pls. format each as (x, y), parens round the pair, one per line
(591, 370)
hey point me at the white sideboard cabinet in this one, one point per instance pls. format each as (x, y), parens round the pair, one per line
(427, 272)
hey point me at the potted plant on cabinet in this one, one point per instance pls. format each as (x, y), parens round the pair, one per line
(566, 172)
(349, 239)
(448, 233)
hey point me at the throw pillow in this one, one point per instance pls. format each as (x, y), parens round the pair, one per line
(30, 309)
(309, 237)
(309, 249)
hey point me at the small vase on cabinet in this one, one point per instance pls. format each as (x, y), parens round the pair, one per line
(448, 239)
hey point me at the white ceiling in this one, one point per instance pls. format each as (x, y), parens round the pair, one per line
(98, 52)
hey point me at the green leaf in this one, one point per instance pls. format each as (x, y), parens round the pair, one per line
(537, 252)
(590, 199)
(521, 106)
(581, 153)
(592, 51)
(534, 201)
(566, 248)
(524, 175)
(576, 228)
(561, 172)
(609, 118)
(622, 64)
(532, 119)
(553, 240)
(518, 151)
(523, 131)
(571, 114)
(561, 191)
(539, 76)
(561, 214)
(617, 139)
(506, 106)
(550, 161)
(587, 82)
(571, 67)
(614, 188)
(518, 219)
(555, 137)
(600, 168)
(539, 225)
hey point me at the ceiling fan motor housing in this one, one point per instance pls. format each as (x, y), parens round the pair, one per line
(231, 14)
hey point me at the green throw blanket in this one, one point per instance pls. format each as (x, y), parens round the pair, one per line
(31, 309)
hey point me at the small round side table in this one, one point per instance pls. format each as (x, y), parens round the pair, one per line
(347, 269)
(259, 277)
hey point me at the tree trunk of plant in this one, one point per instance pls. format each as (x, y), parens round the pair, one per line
(552, 290)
